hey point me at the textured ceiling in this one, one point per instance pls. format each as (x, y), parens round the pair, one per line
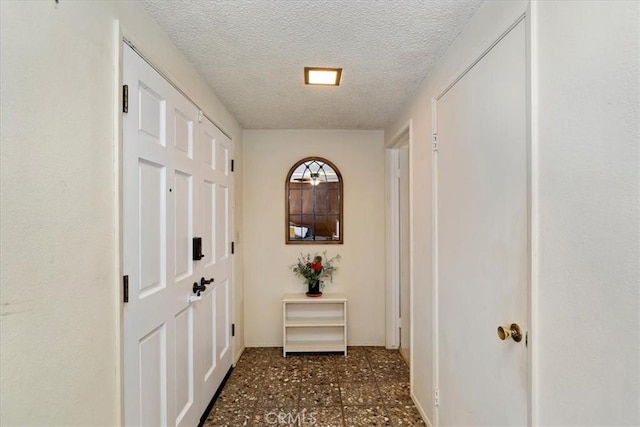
(252, 53)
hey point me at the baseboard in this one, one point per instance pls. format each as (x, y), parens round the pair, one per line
(349, 344)
(262, 344)
(238, 356)
(423, 414)
(365, 344)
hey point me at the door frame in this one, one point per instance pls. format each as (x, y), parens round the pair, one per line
(392, 289)
(532, 191)
(120, 36)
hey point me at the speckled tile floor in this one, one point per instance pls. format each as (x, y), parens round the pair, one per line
(368, 387)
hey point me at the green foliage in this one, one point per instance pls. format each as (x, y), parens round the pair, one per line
(315, 268)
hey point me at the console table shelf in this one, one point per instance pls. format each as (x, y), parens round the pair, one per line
(314, 324)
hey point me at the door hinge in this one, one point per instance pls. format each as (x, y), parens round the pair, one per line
(233, 329)
(232, 165)
(125, 98)
(436, 397)
(200, 116)
(125, 288)
(435, 142)
(233, 247)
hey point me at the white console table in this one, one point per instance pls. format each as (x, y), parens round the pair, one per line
(314, 324)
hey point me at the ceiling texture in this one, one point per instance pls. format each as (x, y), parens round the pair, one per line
(252, 54)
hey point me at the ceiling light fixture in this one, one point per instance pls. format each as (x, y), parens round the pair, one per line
(315, 178)
(322, 76)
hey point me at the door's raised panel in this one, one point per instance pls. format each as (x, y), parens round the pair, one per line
(222, 319)
(183, 194)
(222, 223)
(152, 114)
(208, 150)
(153, 378)
(183, 133)
(184, 363)
(152, 226)
(207, 337)
(209, 224)
(222, 158)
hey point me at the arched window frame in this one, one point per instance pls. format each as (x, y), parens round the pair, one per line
(338, 237)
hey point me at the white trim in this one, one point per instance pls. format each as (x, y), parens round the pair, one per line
(423, 414)
(117, 213)
(392, 289)
(237, 357)
(434, 261)
(411, 252)
(400, 136)
(465, 70)
(532, 15)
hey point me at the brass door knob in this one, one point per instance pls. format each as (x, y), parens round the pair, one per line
(512, 331)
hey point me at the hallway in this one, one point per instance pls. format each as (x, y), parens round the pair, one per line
(450, 80)
(368, 387)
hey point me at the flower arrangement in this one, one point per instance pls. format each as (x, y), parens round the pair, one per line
(316, 268)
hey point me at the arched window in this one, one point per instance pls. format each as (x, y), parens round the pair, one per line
(314, 202)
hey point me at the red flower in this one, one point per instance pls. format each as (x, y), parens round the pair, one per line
(316, 268)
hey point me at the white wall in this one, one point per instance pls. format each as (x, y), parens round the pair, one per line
(586, 178)
(268, 156)
(60, 311)
(588, 140)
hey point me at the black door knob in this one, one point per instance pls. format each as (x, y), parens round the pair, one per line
(198, 288)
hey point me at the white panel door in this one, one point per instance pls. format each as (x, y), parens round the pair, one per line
(165, 205)
(213, 314)
(158, 222)
(482, 240)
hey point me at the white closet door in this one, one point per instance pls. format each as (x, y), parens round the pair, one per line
(482, 240)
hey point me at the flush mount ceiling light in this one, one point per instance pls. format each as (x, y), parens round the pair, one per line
(322, 76)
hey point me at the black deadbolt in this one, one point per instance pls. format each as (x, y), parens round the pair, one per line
(197, 249)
